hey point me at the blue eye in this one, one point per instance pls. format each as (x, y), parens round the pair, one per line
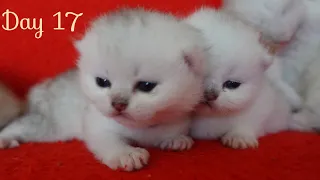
(103, 82)
(231, 85)
(144, 86)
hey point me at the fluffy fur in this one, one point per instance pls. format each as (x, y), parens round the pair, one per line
(276, 19)
(300, 55)
(10, 106)
(139, 74)
(309, 87)
(278, 22)
(242, 114)
(303, 65)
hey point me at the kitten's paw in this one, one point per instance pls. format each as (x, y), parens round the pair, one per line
(8, 144)
(178, 143)
(240, 141)
(130, 159)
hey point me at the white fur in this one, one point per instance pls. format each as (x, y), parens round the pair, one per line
(252, 110)
(309, 88)
(125, 47)
(278, 21)
(299, 55)
(303, 64)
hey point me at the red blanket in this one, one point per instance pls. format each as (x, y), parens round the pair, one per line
(25, 60)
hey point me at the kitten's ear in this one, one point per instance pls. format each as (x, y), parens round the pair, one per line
(196, 60)
(87, 47)
(86, 42)
(267, 60)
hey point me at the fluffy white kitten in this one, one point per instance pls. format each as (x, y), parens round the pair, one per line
(300, 55)
(239, 104)
(139, 75)
(278, 22)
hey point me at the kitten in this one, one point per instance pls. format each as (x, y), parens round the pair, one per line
(10, 106)
(240, 104)
(139, 75)
(278, 22)
(300, 55)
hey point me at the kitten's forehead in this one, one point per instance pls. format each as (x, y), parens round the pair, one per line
(233, 67)
(140, 38)
(144, 32)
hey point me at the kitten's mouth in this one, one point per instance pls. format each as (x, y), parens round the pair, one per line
(203, 106)
(121, 115)
(126, 120)
(123, 119)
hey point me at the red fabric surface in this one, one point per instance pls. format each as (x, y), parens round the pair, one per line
(25, 60)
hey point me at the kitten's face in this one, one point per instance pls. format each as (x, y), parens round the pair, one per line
(237, 62)
(141, 76)
(232, 85)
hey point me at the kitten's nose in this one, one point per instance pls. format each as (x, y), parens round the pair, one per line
(211, 95)
(119, 104)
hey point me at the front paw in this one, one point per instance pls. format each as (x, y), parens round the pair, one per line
(129, 159)
(240, 140)
(8, 144)
(178, 143)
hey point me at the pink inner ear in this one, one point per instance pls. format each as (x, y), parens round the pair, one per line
(194, 60)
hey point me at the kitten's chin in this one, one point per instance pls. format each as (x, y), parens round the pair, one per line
(129, 122)
(158, 118)
(210, 109)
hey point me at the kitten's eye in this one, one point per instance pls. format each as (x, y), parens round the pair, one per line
(231, 84)
(103, 82)
(145, 86)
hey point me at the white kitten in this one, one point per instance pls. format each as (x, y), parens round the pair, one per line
(240, 104)
(278, 22)
(299, 54)
(140, 73)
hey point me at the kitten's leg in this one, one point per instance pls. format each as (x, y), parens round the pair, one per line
(240, 138)
(32, 127)
(177, 143)
(113, 151)
(176, 136)
(245, 129)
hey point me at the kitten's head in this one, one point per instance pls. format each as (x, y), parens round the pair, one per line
(141, 68)
(238, 62)
(235, 81)
(277, 20)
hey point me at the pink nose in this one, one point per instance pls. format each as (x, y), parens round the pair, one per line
(119, 106)
(211, 96)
